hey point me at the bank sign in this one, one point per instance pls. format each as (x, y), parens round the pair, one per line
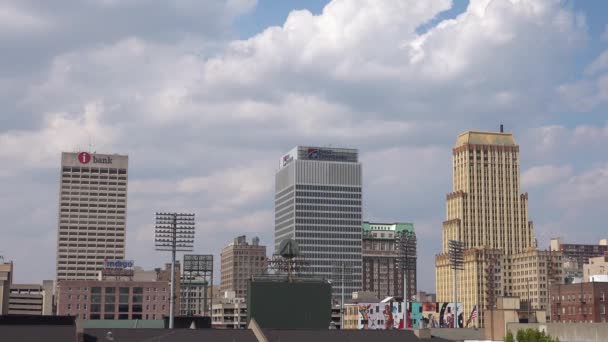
(121, 264)
(316, 153)
(85, 158)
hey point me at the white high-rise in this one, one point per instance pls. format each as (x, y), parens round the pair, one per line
(92, 213)
(318, 204)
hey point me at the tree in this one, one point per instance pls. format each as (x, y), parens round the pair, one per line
(529, 335)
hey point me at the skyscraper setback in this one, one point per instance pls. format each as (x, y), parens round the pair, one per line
(92, 213)
(487, 212)
(318, 204)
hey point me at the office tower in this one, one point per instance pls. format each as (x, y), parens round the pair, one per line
(239, 262)
(487, 212)
(381, 274)
(318, 204)
(92, 213)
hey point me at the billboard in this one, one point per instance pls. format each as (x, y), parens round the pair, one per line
(391, 315)
(283, 305)
(198, 263)
(118, 268)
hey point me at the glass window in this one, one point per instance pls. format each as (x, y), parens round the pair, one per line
(137, 308)
(95, 308)
(138, 290)
(110, 290)
(123, 308)
(124, 298)
(124, 290)
(109, 308)
(94, 316)
(123, 316)
(95, 298)
(95, 289)
(111, 299)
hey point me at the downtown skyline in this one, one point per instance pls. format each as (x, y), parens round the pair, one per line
(203, 116)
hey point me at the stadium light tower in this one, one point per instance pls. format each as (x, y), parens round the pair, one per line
(456, 255)
(405, 242)
(174, 232)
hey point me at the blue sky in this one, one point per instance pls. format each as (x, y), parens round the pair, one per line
(205, 96)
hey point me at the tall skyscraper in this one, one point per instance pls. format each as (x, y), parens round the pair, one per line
(487, 212)
(92, 213)
(381, 272)
(318, 204)
(239, 262)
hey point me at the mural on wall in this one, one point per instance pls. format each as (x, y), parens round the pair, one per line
(391, 315)
(381, 316)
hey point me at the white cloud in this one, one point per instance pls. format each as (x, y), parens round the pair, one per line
(15, 20)
(599, 64)
(543, 175)
(589, 188)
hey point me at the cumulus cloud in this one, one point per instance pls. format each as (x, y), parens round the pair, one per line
(203, 116)
(543, 175)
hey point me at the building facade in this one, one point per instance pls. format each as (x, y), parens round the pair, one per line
(92, 213)
(145, 295)
(529, 275)
(32, 299)
(580, 252)
(230, 312)
(381, 272)
(488, 213)
(318, 204)
(6, 279)
(595, 267)
(239, 262)
(582, 302)
(195, 298)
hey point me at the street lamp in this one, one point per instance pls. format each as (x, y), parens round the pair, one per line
(174, 232)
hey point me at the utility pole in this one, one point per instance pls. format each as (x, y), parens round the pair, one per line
(174, 232)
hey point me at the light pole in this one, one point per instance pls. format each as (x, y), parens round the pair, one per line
(406, 261)
(174, 232)
(456, 255)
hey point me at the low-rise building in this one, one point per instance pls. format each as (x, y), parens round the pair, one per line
(6, 279)
(596, 267)
(582, 302)
(579, 252)
(118, 298)
(230, 312)
(31, 299)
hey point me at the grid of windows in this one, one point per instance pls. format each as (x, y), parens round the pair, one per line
(92, 217)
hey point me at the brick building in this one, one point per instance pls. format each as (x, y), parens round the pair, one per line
(239, 262)
(582, 302)
(139, 297)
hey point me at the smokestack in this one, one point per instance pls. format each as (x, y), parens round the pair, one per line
(501, 129)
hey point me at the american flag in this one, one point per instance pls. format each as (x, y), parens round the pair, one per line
(473, 315)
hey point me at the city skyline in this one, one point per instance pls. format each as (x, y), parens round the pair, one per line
(203, 110)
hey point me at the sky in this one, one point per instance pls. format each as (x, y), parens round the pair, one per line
(205, 96)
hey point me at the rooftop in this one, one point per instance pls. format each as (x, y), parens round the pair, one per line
(485, 138)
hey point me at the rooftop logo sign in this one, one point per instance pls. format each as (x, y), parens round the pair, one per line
(84, 157)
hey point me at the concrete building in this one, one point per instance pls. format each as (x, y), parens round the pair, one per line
(529, 276)
(318, 204)
(32, 299)
(381, 274)
(230, 312)
(582, 303)
(133, 298)
(580, 252)
(424, 297)
(196, 297)
(6, 279)
(92, 213)
(239, 262)
(488, 213)
(595, 267)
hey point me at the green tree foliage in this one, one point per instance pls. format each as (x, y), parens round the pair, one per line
(529, 335)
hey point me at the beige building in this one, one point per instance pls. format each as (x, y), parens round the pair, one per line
(92, 213)
(6, 279)
(596, 267)
(31, 299)
(530, 274)
(486, 211)
(381, 275)
(230, 312)
(239, 262)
